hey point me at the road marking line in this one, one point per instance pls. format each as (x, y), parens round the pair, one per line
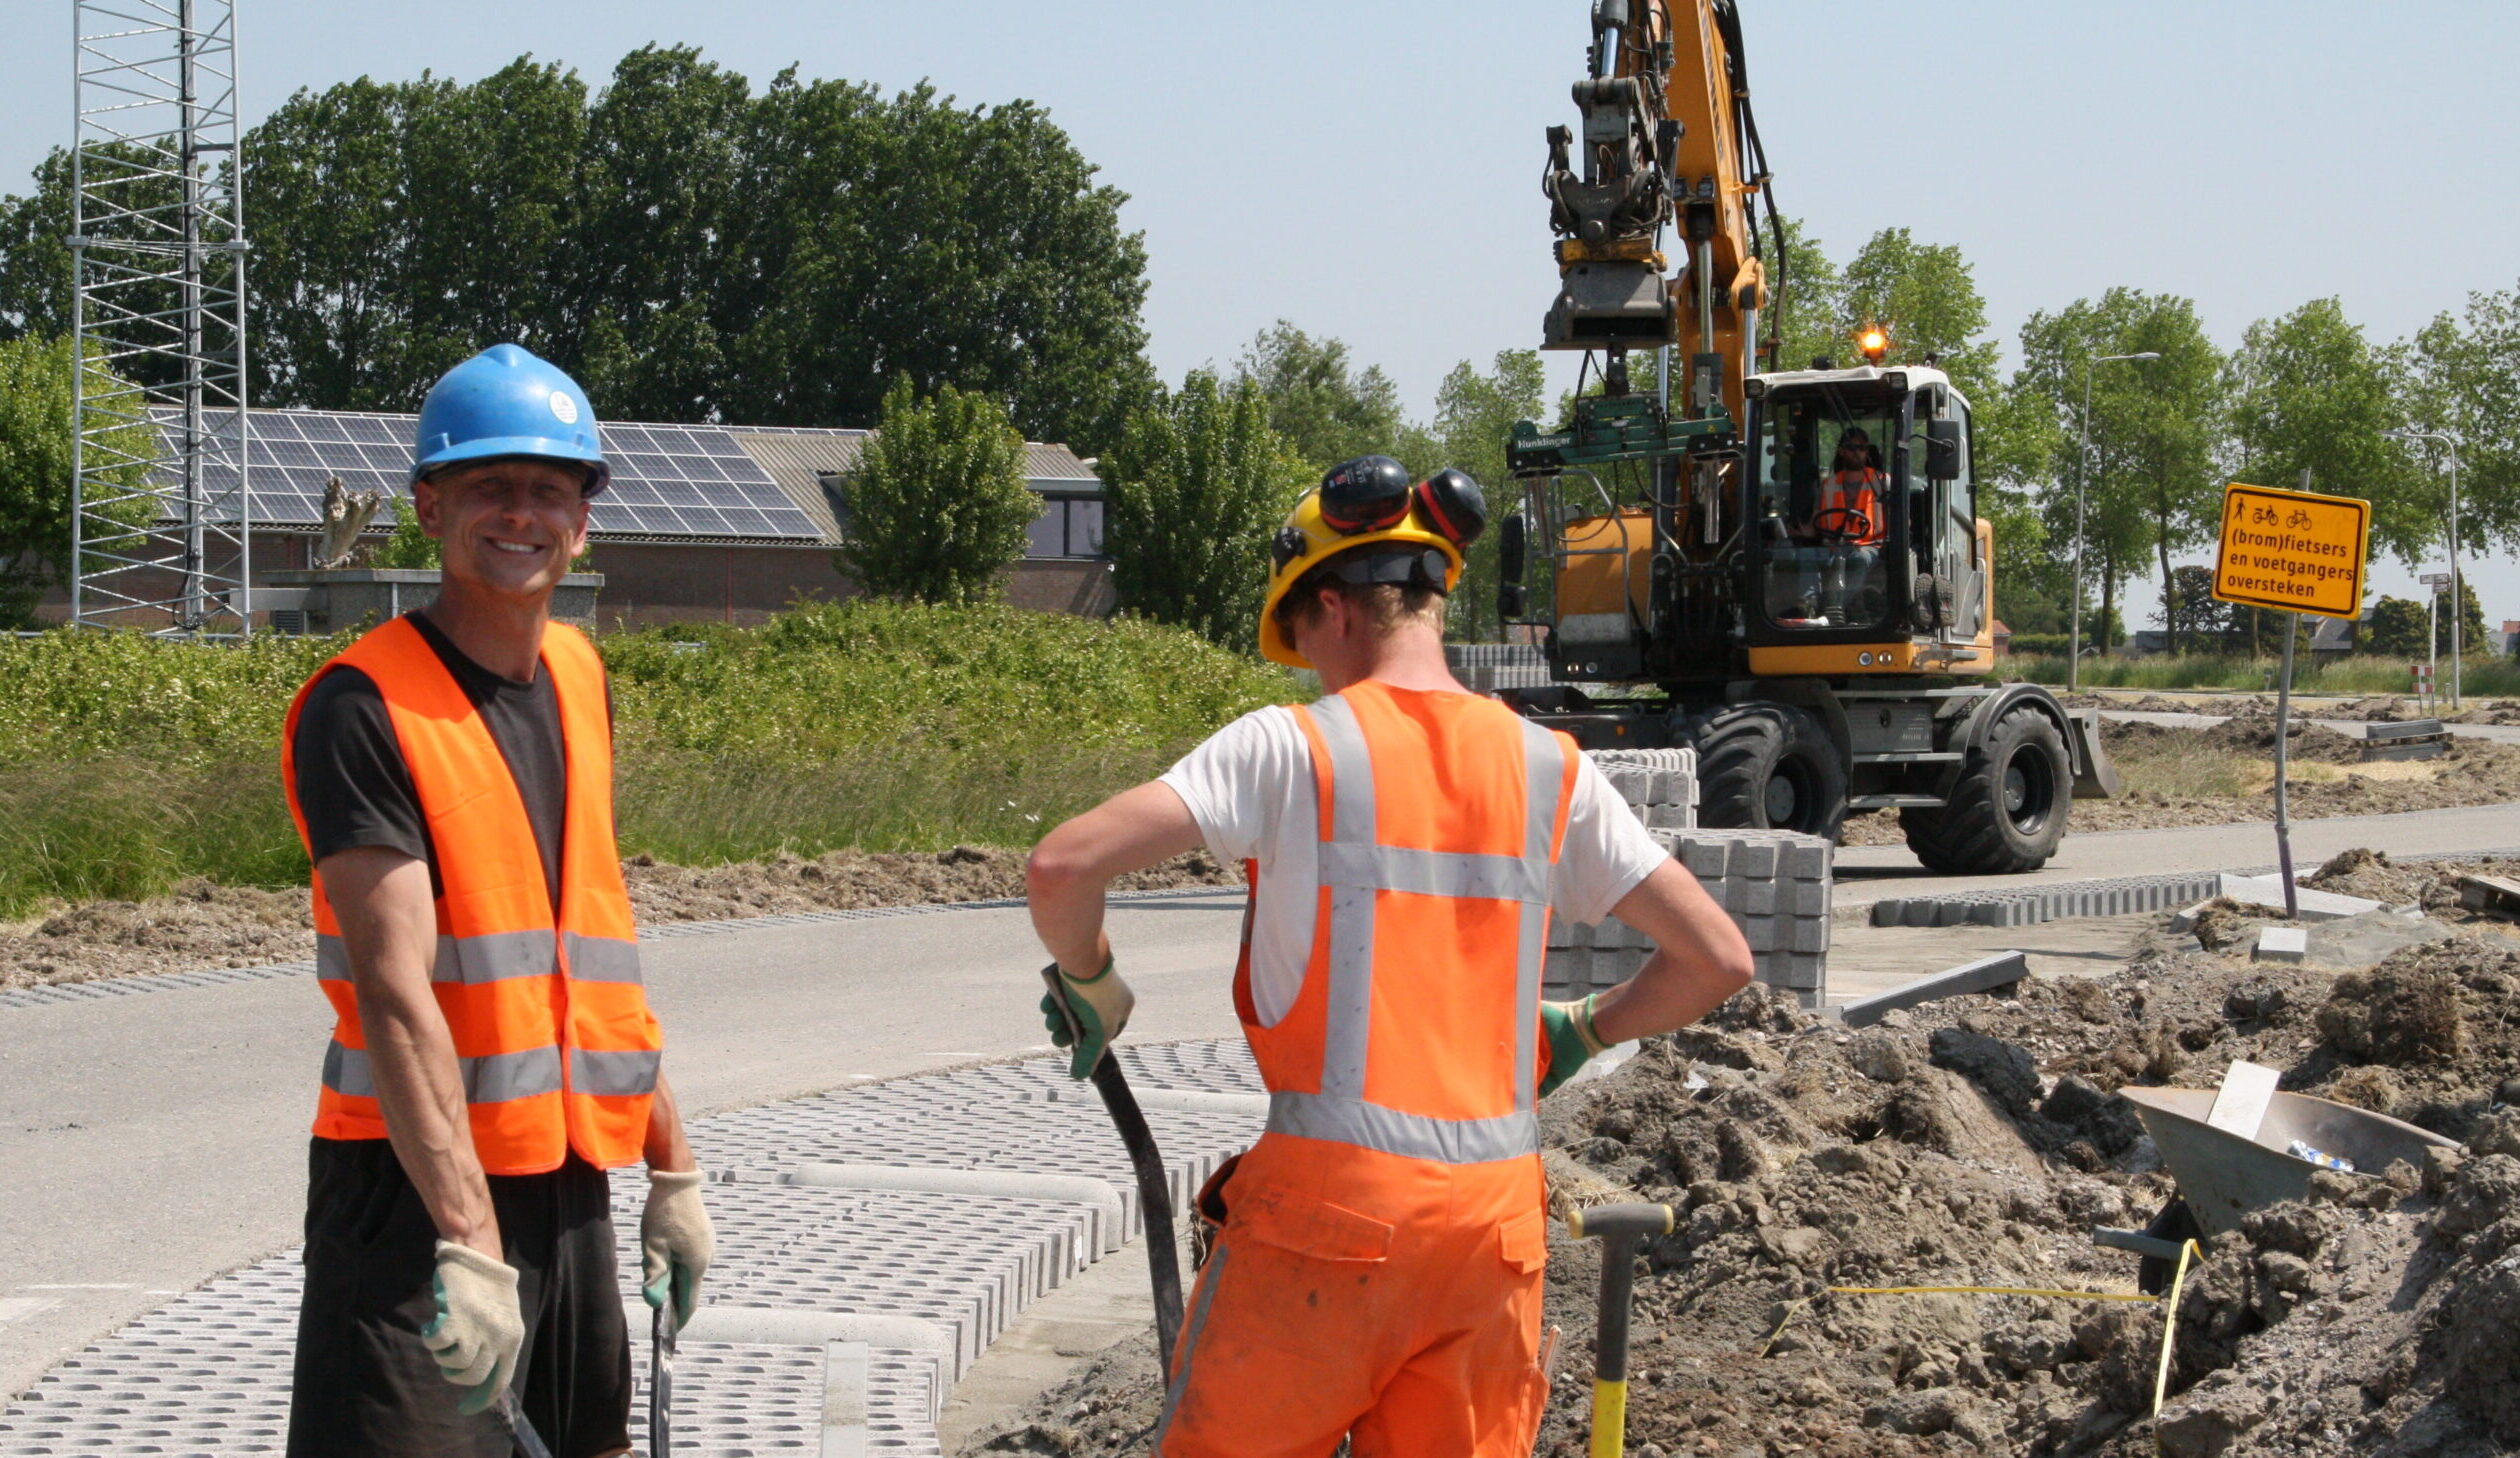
(15, 1308)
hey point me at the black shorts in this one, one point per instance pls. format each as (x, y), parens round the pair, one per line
(365, 1384)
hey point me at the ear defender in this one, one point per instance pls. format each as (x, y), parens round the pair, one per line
(1454, 505)
(1367, 494)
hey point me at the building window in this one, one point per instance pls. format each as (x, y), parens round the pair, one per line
(1069, 526)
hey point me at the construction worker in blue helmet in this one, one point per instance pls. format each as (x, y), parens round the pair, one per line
(493, 1057)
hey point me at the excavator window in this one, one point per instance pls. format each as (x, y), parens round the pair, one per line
(1825, 507)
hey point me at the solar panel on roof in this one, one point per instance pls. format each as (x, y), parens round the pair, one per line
(668, 481)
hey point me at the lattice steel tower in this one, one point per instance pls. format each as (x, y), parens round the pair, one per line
(163, 523)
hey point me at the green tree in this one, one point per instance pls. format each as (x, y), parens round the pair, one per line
(2313, 395)
(407, 545)
(2395, 629)
(1809, 307)
(2210, 622)
(1474, 418)
(938, 504)
(1327, 409)
(1190, 495)
(37, 498)
(35, 275)
(910, 236)
(2151, 481)
(691, 249)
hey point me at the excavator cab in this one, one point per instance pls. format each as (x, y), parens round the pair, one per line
(1863, 514)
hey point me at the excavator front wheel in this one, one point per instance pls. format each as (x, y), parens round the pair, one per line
(1768, 767)
(2007, 809)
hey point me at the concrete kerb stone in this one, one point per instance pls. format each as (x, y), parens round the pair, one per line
(1985, 974)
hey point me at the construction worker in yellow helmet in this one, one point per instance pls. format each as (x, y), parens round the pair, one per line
(1375, 1273)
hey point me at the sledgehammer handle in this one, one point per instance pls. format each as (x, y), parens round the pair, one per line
(1621, 1228)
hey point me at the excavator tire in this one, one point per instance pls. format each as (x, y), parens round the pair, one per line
(1768, 767)
(2007, 809)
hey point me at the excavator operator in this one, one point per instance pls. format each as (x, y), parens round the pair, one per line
(1850, 501)
(1377, 1271)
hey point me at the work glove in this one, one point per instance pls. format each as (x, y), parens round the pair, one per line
(1100, 1005)
(478, 1329)
(1572, 1041)
(675, 1242)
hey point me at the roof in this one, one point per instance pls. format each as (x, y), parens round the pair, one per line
(716, 483)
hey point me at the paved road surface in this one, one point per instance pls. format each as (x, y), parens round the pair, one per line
(150, 1142)
(1870, 873)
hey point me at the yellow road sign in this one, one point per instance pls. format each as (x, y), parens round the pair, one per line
(2292, 550)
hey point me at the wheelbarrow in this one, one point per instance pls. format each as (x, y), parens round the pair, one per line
(2223, 1175)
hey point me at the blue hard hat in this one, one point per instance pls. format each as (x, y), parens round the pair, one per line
(507, 401)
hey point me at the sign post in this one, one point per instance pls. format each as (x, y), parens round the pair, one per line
(2295, 552)
(2432, 625)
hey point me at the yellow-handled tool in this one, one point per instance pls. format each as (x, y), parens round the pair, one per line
(1621, 1229)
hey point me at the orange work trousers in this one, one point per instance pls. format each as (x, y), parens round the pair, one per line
(1312, 1321)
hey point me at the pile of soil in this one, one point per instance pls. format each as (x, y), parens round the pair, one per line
(204, 924)
(1976, 1142)
(2382, 708)
(2469, 772)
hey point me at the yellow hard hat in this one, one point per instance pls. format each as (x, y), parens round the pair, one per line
(1369, 502)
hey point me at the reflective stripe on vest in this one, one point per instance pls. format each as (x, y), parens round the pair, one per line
(1354, 867)
(519, 978)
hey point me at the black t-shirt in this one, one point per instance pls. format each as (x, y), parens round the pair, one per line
(355, 790)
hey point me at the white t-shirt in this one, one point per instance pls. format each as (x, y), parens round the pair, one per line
(1250, 788)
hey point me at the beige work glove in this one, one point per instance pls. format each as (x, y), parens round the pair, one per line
(1100, 1007)
(479, 1328)
(675, 1241)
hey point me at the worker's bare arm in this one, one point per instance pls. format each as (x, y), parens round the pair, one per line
(389, 925)
(666, 1148)
(1699, 958)
(1065, 879)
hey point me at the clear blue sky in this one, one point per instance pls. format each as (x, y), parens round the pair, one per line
(1370, 170)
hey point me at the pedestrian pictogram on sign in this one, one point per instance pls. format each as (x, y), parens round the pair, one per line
(2292, 550)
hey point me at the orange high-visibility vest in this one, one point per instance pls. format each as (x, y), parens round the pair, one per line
(1416, 1032)
(1854, 491)
(550, 1018)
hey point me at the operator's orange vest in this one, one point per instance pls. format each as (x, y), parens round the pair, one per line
(550, 1019)
(1854, 491)
(1410, 1060)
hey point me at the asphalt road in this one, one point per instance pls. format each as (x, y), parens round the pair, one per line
(149, 1143)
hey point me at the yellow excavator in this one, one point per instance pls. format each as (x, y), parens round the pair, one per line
(1783, 568)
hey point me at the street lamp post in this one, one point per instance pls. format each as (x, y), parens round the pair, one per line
(2458, 604)
(2082, 475)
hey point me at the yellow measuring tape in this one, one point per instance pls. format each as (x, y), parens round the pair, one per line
(2169, 1324)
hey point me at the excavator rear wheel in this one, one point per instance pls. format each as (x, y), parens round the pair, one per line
(2007, 810)
(1768, 767)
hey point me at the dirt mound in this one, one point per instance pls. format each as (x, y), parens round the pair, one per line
(203, 924)
(1976, 1142)
(848, 880)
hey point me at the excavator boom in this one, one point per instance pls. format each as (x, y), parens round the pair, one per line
(1669, 158)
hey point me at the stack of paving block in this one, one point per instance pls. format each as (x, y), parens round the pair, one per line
(1488, 667)
(1660, 785)
(1775, 884)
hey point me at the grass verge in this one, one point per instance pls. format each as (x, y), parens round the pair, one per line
(128, 764)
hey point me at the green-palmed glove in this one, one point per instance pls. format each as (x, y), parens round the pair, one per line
(478, 1328)
(1100, 1004)
(1572, 1041)
(675, 1241)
